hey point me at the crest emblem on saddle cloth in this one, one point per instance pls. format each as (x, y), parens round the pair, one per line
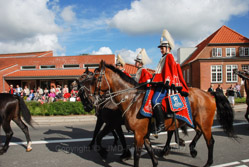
(176, 102)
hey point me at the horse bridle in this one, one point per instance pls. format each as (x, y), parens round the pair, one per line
(242, 74)
(108, 95)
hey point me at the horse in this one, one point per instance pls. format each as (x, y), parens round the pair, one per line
(128, 94)
(11, 108)
(108, 110)
(245, 76)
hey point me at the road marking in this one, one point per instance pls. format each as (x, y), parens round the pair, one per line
(105, 138)
(227, 164)
(245, 160)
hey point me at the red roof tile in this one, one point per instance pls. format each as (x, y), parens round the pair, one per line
(28, 54)
(131, 69)
(223, 35)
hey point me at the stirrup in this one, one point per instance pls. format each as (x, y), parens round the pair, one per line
(160, 128)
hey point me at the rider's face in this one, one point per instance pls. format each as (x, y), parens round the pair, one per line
(163, 50)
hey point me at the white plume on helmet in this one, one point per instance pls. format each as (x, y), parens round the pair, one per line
(169, 41)
(120, 61)
(143, 57)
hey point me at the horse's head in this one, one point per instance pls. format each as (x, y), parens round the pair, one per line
(242, 74)
(100, 84)
(84, 91)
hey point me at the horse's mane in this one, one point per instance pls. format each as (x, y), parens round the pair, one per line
(122, 75)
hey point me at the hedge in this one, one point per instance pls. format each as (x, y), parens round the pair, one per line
(240, 100)
(56, 108)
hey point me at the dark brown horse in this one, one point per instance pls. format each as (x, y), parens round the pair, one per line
(106, 112)
(245, 76)
(123, 90)
(11, 108)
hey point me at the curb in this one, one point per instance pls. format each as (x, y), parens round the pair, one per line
(81, 119)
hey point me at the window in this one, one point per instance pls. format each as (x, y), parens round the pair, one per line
(216, 52)
(243, 51)
(216, 73)
(91, 65)
(230, 52)
(71, 66)
(245, 67)
(47, 67)
(231, 77)
(28, 67)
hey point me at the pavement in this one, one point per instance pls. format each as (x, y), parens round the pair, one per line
(81, 119)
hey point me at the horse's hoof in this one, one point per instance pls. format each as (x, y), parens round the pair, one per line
(2, 151)
(193, 153)
(28, 149)
(103, 153)
(126, 155)
(182, 143)
(165, 151)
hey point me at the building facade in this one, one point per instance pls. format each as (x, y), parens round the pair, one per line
(215, 58)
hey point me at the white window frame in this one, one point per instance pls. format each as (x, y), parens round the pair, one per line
(49, 67)
(184, 75)
(217, 52)
(229, 70)
(91, 65)
(244, 51)
(217, 72)
(28, 67)
(230, 52)
(73, 66)
(245, 67)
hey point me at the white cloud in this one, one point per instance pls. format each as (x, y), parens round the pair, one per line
(128, 55)
(102, 51)
(27, 26)
(67, 14)
(185, 19)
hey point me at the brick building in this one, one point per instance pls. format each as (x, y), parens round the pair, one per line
(213, 60)
(45, 70)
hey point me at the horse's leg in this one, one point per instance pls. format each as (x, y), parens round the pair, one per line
(139, 141)
(102, 151)
(9, 133)
(192, 145)
(25, 130)
(247, 113)
(210, 145)
(150, 151)
(115, 143)
(126, 152)
(166, 148)
(98, 126)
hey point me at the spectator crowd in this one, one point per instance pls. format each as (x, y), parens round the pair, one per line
(46, 95)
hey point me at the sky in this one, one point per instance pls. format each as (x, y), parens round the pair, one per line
(73, 27)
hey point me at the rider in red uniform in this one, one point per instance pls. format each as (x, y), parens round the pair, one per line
(168, 76)
(120, 64)
(143, 76)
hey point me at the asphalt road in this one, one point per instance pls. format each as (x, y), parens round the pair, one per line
(67, 146)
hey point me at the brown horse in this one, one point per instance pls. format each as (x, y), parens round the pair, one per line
(245, 76)
(105, 114)
(123, 90)
(11, 108)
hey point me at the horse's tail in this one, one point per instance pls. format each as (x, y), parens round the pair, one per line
(225, 113)
(25, 111)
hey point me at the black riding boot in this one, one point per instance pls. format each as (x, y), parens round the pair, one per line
(159, 115)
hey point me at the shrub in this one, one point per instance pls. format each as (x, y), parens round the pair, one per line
(56, 108)
(240, 100)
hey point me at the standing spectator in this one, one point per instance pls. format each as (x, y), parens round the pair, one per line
(12, 90)
(237, 88)
(31, 95)
(210, 89)
(26, 91)
(52, 89)
(219, 89)
(46, 91)
(18, 90)
(230, 95)
(58, 92)
(39, 92)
